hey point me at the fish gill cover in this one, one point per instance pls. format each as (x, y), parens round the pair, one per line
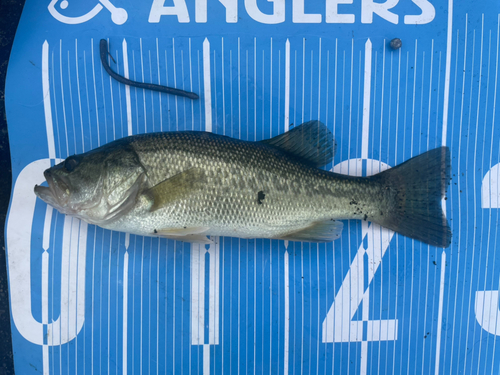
(390, 80)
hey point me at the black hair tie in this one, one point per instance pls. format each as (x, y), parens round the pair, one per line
(103, 49)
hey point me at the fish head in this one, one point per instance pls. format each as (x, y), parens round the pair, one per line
(99, 186)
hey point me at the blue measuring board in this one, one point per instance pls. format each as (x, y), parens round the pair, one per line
(90, 301)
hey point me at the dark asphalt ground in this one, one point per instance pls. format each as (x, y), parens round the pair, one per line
(10, 13)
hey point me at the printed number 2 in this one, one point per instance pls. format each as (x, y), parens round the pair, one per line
(339, 325)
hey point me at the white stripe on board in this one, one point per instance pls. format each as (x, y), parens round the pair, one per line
(158, 309)
(45, 282)
(111, 96)
(125, 310)
(302, 299)
(66, 249)
(366, 99)
(95, 94)
(497, 187)
(427, 147)
(87, 96)
(213, 304)
(255, 89)
(459, 168)
(223, 85)
(440, 312)
(159, 78)
(295, 88)
(239, 92)
(120, 102)
(71, 102)
(47, 227)
(287, 85)
(319, 80)
(109, 297)
(474, 176)
(54, 100)
(197, 294)
(207, 85)
(447, 73)
(429, 105)
(46, 100)
(206, 359)
(149, 303)
(79, 95)
(143, 90)
(287, 310)
(482, 194)
(46, 360)
(364, 343)
(80, 283)
(412, 283)
(483, 154)
(45, 287)
(183, 82)
(468, 113)
(303, 76)
(63, 101)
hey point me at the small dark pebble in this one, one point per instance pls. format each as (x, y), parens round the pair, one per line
(396, 43)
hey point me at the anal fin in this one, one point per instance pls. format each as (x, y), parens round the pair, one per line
(193, 234)
(318, 231)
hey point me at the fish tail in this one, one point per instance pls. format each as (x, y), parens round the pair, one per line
(413, 193)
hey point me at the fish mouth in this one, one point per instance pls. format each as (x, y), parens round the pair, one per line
(56, 193)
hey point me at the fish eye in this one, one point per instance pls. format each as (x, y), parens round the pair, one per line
(71, 163)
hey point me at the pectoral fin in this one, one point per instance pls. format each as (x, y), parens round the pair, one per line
(319, 231)
(194, 234)
(180, 186)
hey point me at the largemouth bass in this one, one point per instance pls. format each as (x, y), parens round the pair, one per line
(189, 185)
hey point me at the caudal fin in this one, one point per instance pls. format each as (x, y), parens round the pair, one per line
(416, 189)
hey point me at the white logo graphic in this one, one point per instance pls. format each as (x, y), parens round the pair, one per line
(487, 308)
(118, 15)
(70, 321)
(490, 188)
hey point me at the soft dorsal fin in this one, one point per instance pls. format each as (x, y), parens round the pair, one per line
(311, 142)
(176, 187)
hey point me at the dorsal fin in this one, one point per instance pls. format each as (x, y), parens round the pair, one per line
(311, 142)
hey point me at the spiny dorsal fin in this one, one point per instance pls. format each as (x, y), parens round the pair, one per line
(180, 186)
(311, 142)
(319, 231)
